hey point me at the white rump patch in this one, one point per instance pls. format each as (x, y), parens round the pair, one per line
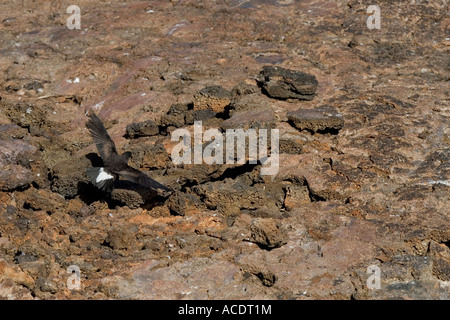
(103, 175)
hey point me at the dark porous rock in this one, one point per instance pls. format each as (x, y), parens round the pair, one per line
(43, 199)
(16, 160)
(290, 146)
(268, 233)
(202, 115)
(120, 239)
(285, 84)
(243, 88)
(176, 115)
(324, 118)
(179, 108)
(129, 198)
(231, 197)
(182, 204)
(142, 129)
(131, 194)
(182, 113)
(176, 121)
(177, 204)
(148, 156)
(199, 115)
(265, 212)
(68, 176)
(215, 98)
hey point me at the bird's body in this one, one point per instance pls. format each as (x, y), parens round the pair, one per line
(114, 165)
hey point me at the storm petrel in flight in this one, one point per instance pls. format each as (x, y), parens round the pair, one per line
(113, 164)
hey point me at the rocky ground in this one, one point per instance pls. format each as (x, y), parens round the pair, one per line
(364, 177)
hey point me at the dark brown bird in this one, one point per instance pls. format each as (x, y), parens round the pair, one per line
(113, 164)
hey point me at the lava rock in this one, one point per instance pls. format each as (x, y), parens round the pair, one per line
(131, 194)
(296, 196)
(319, 119)
(267, 278)
(14, 274)
(199, 115)
(69, 175)
(290, 146)
(142, 129)
(182, 204)
(119, 239)
(43, 199)
(255, 119)
(215, 98)
(148, 156)
(8, 131)
(249, 102)
(441, 260)
(268, 233)
(242, 89)
(16, 157)
(176, 121)
(130, 198)
(285, 84)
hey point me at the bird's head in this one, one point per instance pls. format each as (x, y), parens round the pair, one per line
(126, 156)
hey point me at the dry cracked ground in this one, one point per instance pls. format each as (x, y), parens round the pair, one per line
(364, 140)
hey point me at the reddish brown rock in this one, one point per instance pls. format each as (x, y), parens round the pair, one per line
(249, 102)
(69, 176)
(16, 162)
(376, 194)
(268, 233)
(12, 131)
(142, 129)
(296, 195)
(12, 273)
(214, 98)
(318, 119)
(253, 119)
(282, 83)
(441, 260)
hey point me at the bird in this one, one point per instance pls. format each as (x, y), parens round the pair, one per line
(113, 164)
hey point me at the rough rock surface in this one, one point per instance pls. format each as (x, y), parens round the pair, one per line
(16, 161)
(252, 119)
(214, 98)
(268, 233)
(373, 193)
(142, 129)
(283, 83)
(319, 119)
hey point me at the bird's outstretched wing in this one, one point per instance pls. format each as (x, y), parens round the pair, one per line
(103, 141)
(137, 176)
